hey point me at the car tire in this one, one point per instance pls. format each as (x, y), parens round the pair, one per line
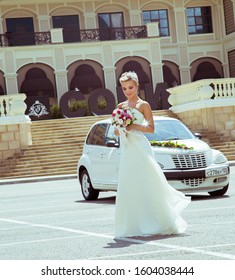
(88, 192)
(219, 192)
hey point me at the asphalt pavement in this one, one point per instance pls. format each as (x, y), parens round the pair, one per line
(50, 220)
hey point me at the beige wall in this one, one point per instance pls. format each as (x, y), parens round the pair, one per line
(220, 119)
(14, 138)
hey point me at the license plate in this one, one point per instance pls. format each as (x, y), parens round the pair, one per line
(216, 172)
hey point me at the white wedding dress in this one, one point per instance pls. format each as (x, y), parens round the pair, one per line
(145, 202)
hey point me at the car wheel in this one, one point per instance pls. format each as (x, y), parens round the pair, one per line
(219, 192)
(87, 190)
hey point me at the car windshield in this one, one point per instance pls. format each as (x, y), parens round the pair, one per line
(166, 130)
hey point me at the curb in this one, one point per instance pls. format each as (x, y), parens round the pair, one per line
(37, 179)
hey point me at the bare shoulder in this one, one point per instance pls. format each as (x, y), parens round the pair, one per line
(144, 106)
(120, 105)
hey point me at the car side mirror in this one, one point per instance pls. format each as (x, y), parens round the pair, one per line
(112, 144)
(198, 135)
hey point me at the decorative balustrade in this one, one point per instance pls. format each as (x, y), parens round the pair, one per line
(119, 33)
(84, 35)
(15, 129)
(206, 104)
(208, 89)
(12, 105)
(42, 38)
(21, 39)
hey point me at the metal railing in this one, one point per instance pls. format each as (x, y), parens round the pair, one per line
(75, 35)
(22, 39)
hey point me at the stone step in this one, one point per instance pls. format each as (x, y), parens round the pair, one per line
(57, 146)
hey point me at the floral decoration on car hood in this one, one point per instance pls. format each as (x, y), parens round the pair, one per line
(170, 144)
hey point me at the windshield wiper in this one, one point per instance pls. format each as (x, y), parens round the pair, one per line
(173, 138)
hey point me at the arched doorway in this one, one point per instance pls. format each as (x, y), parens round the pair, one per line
(36, 83)
(85, 79)
(206, 68)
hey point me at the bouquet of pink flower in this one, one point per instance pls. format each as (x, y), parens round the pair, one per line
(122, 117)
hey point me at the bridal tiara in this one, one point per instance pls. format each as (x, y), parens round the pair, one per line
(129, 76)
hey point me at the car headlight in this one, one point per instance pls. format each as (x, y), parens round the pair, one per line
(220, 158)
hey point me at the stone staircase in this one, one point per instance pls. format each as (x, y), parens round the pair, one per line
(57, 146)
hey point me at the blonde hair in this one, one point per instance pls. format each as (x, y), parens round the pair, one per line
(127, 76)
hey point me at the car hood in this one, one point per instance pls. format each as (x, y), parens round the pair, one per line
(170, 158)
(197, 146)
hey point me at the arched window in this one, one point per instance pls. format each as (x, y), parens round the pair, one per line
(36, 83)
(206, 70)
(85, 79)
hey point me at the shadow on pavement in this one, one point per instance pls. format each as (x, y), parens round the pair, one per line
(104, 200)
(208, 197)
(126, 242)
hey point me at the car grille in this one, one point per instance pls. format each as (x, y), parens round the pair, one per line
(193, 182)
(190, 161)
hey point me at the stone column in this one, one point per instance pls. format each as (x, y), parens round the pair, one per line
(90, 22)
(110, 80)
(60, 71)
(219, 25)
(135, 17)
(185, 74)
(1, 29)
(183, 56)
(11, 83)
(10, 72)
(156, 61)
(44, 23)
(226, 69)
(109, 69)
(181, 25)
(157, 74)
(182, 38)
(61, 83)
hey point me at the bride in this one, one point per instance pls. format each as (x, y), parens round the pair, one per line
(145, 202)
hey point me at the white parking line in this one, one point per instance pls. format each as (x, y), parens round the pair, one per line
(40, 240)
(132, 240)
(75, 211)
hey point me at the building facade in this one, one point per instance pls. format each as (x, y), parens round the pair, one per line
(50, 47)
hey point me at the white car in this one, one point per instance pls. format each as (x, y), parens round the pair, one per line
(188, 163)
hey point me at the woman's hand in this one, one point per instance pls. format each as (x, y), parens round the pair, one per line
(131, 127)
(116, 132)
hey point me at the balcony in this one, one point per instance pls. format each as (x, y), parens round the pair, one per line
(74, 36)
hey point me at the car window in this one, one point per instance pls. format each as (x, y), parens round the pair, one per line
(170, 130)
(97, 135)
(90, 135)
(111, 136)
